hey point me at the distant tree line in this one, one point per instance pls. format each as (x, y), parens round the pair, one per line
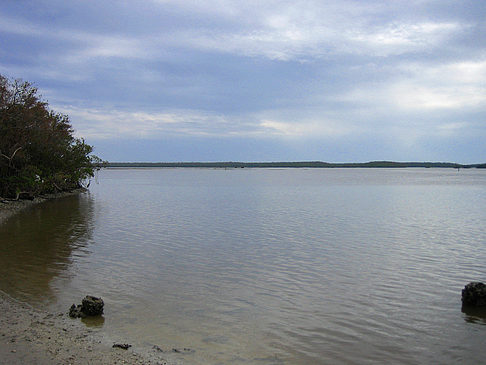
(38, 152)
(297, 164)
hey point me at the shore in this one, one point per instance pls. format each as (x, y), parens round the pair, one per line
(10, 207)
(34, 336)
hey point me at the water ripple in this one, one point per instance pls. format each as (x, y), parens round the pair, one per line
(279, 266)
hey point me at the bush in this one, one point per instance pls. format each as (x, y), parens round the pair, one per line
(38, 153)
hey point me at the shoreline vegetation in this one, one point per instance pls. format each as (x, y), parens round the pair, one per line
(39, 153)
(297, 164)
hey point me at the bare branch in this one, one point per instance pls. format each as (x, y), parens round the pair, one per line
(11, 157)
(13, 154)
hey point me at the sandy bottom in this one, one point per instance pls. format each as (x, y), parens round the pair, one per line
(32, 336)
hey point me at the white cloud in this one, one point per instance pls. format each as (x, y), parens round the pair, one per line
(456, 85)
(416, 96)
(305, 128)
(17, 26)
(463, 72)
(287, 30)
(110, 123)
(274, 29)
(83, 45)
(449, 129)
(400, 38)
(425, 87)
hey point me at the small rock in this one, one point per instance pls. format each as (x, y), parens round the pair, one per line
(185, 350)
(124, 346)
(75, 312)
(474, 294)
(91, 306)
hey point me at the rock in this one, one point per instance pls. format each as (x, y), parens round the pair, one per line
(124, 346)
(474, 294)
(158, 348)
(75, 312)
(91, 306)
(185, 350)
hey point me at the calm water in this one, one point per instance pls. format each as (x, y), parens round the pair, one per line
(265, 266)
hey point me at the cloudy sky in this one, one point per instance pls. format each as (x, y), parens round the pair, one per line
(266, 80)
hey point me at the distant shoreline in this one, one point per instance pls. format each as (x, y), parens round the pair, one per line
(299, 164)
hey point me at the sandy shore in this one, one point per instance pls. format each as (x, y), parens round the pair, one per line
(33, 336)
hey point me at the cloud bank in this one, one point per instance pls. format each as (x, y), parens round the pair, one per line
(403, 77)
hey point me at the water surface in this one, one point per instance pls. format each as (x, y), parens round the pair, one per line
(266, 266)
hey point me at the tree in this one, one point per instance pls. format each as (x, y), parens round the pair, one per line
(38, 152)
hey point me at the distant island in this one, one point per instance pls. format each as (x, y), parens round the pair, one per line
(299, 164)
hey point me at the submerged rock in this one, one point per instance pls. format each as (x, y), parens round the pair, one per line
(90, 306)
(474, 294)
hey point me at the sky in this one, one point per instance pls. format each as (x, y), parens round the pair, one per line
(258, 80)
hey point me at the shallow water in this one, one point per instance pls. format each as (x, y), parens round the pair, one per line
(267, 266)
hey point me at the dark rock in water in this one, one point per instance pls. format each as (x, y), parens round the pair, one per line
(124, 346)
(474, 294)
(91, 306)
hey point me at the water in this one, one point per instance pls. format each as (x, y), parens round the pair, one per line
(265, 266)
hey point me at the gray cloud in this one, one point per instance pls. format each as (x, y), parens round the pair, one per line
(412, 73)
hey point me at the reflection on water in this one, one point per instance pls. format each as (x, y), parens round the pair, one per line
(267, 266)
(37, 245)
(474, 314)
(94, 322)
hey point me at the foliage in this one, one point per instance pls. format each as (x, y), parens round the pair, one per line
(38, 152)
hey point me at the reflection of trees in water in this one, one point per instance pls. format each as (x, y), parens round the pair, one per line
(37, 245)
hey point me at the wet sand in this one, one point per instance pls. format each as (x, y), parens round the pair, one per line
(32, 336)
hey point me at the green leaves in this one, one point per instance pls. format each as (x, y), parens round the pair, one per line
(38, 153)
